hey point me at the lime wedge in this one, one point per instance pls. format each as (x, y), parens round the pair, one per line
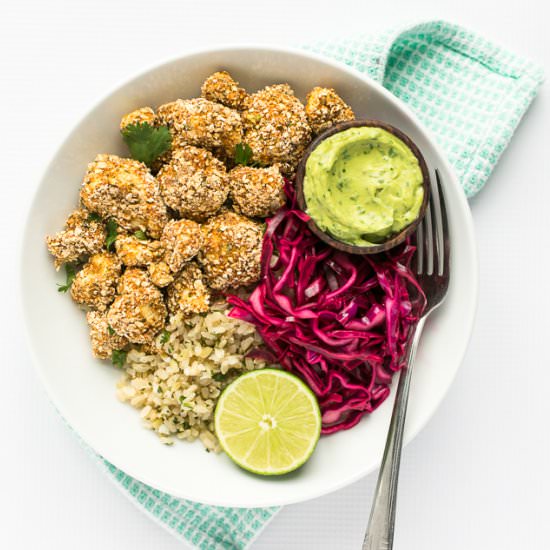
(268, 422)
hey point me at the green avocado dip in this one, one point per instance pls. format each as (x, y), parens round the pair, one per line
(363, 185)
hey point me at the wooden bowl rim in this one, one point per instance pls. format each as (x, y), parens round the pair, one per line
(406, 231)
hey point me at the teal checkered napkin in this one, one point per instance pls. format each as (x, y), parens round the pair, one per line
(472, 95)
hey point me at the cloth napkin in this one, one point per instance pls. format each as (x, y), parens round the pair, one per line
(471, 94)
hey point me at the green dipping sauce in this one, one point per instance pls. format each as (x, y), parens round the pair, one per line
(363, 185)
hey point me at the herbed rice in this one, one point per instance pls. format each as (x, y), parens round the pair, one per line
(176, 385)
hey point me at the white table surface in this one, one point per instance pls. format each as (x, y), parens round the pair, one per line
(476, 477)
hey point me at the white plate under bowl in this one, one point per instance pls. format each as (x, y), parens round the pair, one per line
(83, 389)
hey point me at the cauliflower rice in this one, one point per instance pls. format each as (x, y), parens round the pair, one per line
(176, 385)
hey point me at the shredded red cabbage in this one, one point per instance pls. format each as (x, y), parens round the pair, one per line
(339, 321)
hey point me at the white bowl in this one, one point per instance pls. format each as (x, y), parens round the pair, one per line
(83, 389)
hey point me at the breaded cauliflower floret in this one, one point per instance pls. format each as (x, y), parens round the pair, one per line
(125, 190)
(276, 127)
(221, 88)
(230, 256)
(324, 108)
(139, 116)
(194, 183)
(95, 284)
(103, 338)
(83, 235)
(160, 274)
(256, 192)
(181, 241)
(138, 312)
(202, 123)
(136, 252)
(188, 293)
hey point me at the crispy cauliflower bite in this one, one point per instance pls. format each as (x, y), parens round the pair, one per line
(188, 293)
(123, 189)
(181, 241)
(135, 252)
(145, 115)
(324, 108)
(221, 88)
(104, 340)
(194, 183)
(231, 253)
(95, 284)
(202, 123)
(81, 237)
(138, 312)
(256, 192)
(160, 273)
(276, 127)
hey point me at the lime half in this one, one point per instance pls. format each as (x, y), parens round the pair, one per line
(268, 422)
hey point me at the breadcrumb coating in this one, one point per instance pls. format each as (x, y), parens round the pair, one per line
(181, 241)
(188, 293)
(160, 274)
(103, 338)
(324, 108)
(139, 116)
(221, 88)
(276, 127)
(125, 190)
(231, 253)
(202, 123)
(136, 252)
(81, 237)
(138, 312)
(256, 192)
(194, 183)
(95, 284)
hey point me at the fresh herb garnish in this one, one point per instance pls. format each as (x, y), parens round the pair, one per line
(219, 377)
(70, 273)
(110, 330)
(118, 357)
(183, 402)
(146, 142)
(243, 154)
(93, 217)
(112, 232)
(165, 336)
(141, 235)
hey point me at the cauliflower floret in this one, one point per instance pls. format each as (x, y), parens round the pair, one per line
(83, 235)
(202, 123)
(160, 274)
(138, 312)
(256, 192)
(95, 284)
(103, 338)
(276, 127)
(194, 183)
(231, 253)
(139, 116)
(137, 252)
(181, 241)
(324, 108)
(125, 190)
(221, 88)
(188, 293)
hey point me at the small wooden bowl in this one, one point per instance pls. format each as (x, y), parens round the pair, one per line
(396, 239)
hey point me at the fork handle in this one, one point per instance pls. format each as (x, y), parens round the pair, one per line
(380, 531)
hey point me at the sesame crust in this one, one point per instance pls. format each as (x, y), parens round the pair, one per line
(103, 340)
(221, 88)
(324, 108)
(188, 293)
(139, 116)
(181, 241)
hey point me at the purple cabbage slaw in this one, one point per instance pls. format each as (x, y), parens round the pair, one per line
(339, 321)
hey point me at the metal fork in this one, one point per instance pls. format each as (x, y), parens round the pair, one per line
(431, 263)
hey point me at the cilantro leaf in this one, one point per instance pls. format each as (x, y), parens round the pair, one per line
(165, 336)
(112, 232)
(219, 377)
(118, 357)
(146, 142)
(110, 330)
(70, 273)
(93, 217)
(243, 154)
(141, 235)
